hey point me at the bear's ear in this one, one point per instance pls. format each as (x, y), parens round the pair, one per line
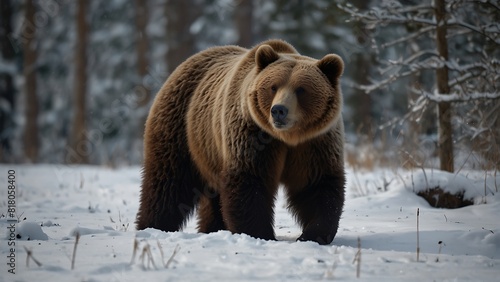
(332, 66)
(264, 56)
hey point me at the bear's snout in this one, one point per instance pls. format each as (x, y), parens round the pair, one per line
(279, 114)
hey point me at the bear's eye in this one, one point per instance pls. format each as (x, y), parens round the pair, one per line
(274, 88)
(300, 91)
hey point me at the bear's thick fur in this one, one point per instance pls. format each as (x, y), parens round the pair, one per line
(231, 124)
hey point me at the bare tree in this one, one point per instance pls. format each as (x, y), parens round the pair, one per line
(6, 83)
(80, 147)
(444, 108)
(142, 46)
(361, 60)
(31, 138)
(467, 74)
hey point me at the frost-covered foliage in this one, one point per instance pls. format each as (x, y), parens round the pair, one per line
(408, 57)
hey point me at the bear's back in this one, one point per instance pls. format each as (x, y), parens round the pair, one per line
(196, 66)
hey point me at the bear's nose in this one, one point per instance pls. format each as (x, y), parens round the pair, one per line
(279, 112)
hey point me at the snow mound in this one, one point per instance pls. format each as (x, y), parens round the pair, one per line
(92, 231)
(454, 184)
(28, 230)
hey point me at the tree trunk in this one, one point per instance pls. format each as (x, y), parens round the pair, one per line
(6, 83)
(141, 21)
(181, 44)
(80, 147)
(31, 142)
(243, 19)
(445, 134)
(142, 90)
(361, 61)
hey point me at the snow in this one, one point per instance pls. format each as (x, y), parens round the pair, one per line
(28, 230)
(54, 203)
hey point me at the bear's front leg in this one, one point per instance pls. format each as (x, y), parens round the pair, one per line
(318, 208)
(247, 204)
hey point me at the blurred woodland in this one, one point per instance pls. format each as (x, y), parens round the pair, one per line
(421, 85)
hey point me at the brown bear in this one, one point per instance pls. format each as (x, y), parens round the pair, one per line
(229, 126)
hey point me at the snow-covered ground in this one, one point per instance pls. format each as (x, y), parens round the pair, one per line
(55, 202)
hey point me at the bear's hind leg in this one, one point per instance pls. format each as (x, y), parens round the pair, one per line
(169, 194)
(209, 213)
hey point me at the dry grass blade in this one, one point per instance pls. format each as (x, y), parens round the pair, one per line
(147, 257)
(74, 250)
(357, 259)
(30, 255)
(418, 236)
(176, 250)
(134, 252)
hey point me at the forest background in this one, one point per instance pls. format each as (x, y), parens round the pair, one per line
(421, 84)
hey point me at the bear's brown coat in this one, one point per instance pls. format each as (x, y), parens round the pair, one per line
(229, 125)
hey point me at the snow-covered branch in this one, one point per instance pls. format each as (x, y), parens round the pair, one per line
(493, 29)
(381, 16)
(409, 37)
(402, 14)
(492, 3)
(381, 84)
(410, 61)
(455, 97)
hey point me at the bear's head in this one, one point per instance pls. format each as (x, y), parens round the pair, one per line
(295, 98)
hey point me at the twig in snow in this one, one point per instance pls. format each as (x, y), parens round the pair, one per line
(30, 255)
(440, 243)
(74, 250)
(19, 217)
(161, 252)
(134, 252)
(418, 236)
(463, 164)
(146, 252)
(82, 181)
(485, 190)
(357, 259)
(419, 165)
(176, 250)
(495, 178)
(491, 231)
(412, 182)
